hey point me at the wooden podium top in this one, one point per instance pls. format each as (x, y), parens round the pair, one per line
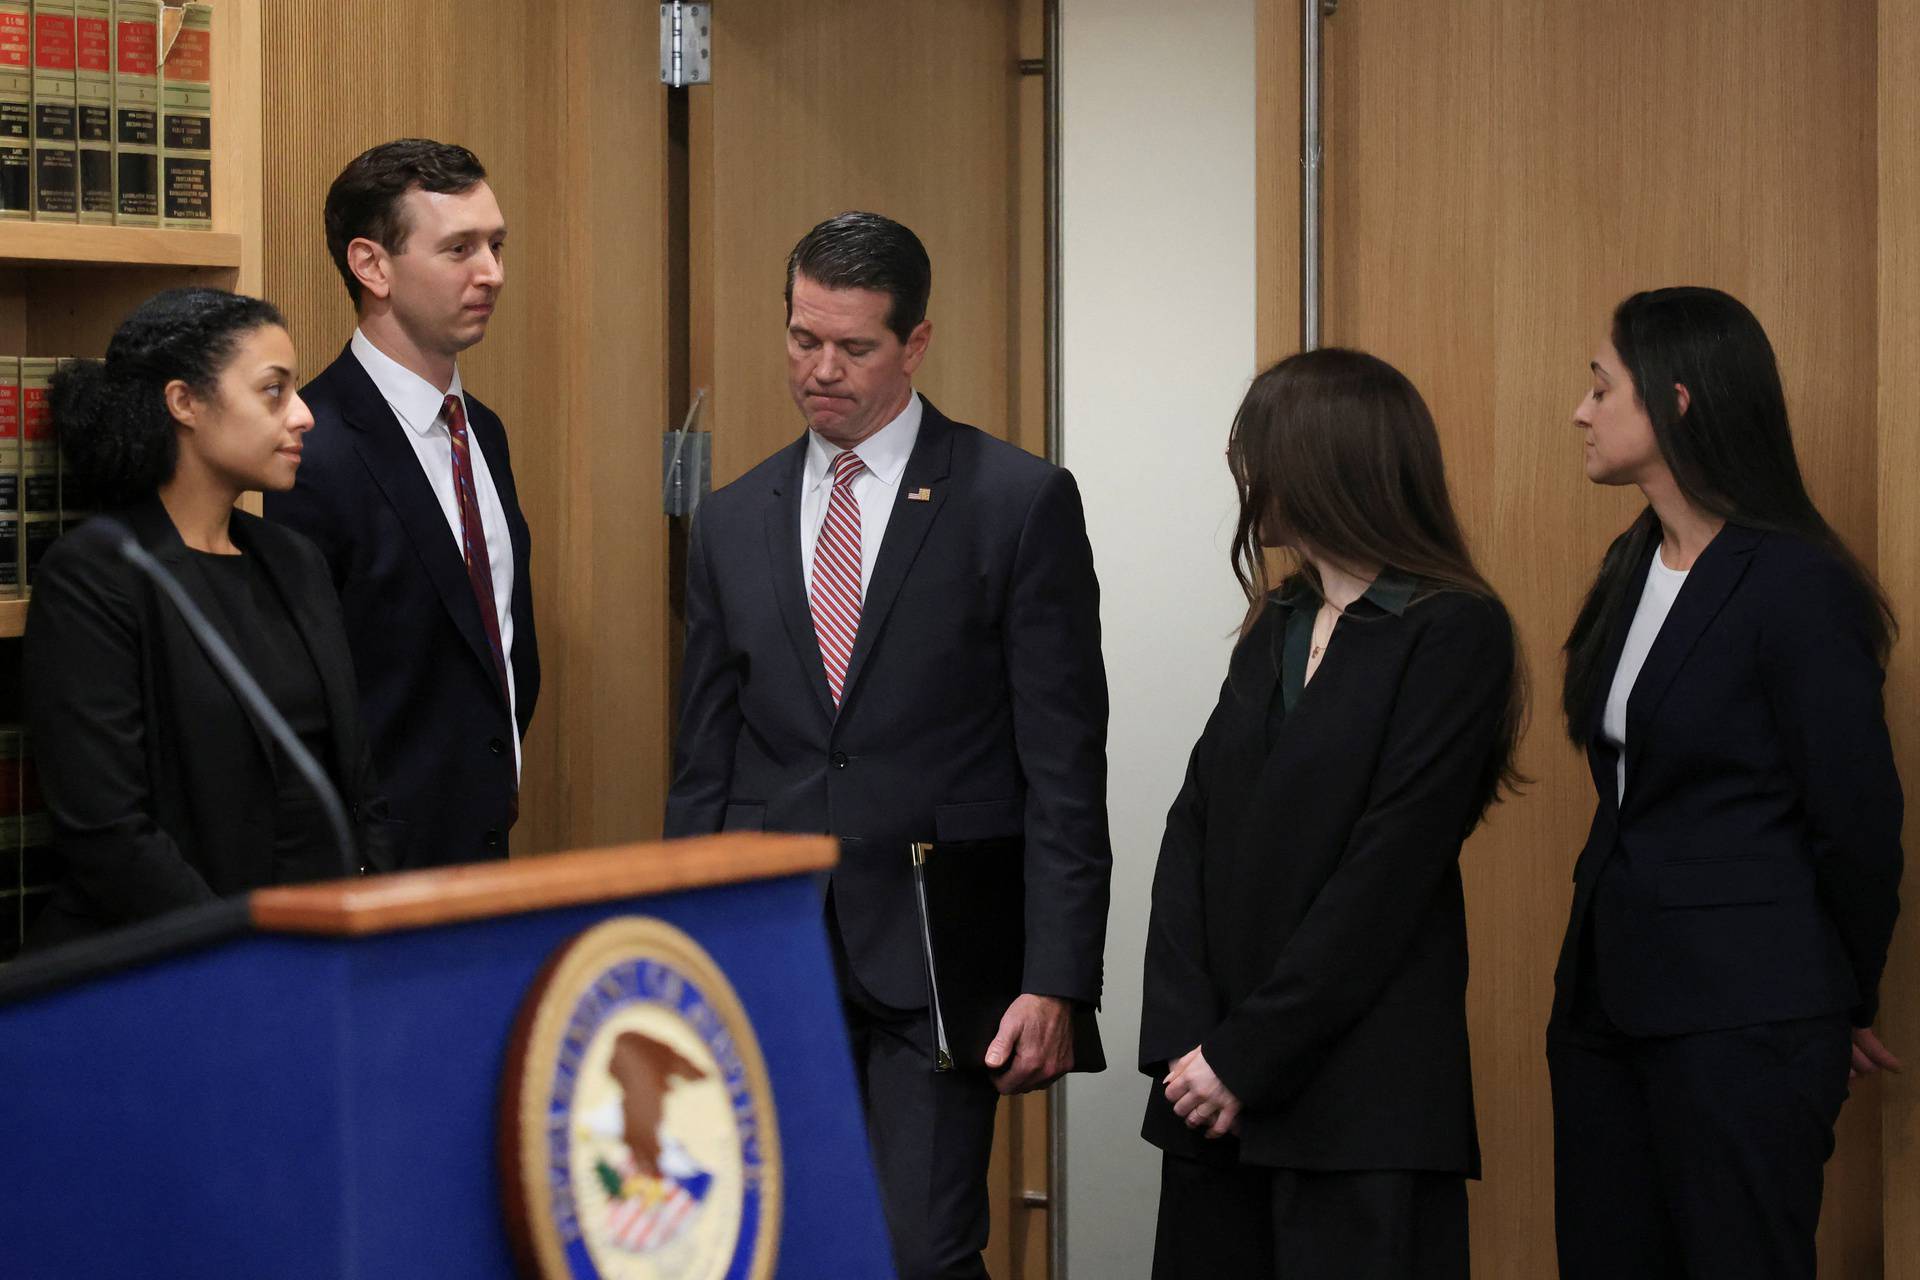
(412, 899)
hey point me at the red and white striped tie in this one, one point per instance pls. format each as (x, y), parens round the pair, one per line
(835, 591)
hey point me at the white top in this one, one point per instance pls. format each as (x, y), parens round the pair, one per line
(420, 406)
(1656, 598)
(885, 454)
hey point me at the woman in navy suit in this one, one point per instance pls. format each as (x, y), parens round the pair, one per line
(1737, 892)
(1304, 1014)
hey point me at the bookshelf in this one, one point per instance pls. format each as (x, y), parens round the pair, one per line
(64, 287)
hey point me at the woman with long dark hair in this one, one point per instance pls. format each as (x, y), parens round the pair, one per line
(1738, 889)
(163, 789)
(1304, 1013)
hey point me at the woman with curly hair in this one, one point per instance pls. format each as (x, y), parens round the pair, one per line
(1304, 1011)
(164, 790)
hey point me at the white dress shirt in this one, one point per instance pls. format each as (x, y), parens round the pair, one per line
(885, 454)
(1656, 600)
(421, 407)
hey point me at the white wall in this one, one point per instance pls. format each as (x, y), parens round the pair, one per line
(1157, 162)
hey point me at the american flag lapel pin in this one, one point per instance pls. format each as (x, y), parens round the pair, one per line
(922, 494)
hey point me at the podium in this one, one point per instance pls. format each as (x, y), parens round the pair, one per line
(621, 1062)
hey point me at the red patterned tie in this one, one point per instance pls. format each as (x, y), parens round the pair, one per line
(473, 535)
(835, 592)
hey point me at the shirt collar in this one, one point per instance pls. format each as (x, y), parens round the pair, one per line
(1390, 592)
(885, 452)
(413, 399)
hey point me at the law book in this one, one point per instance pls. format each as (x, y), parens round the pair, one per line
(93, 106)
(136, 113)
(56, 153)
(39, 466)
(10, 586)
(971, 897)
(186, 124)
(16, 110)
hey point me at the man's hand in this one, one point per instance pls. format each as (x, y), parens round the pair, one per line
(1869, 1055)
(1199, 1098)
(1034, 1046)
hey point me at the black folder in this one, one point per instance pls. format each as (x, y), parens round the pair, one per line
(972, 901)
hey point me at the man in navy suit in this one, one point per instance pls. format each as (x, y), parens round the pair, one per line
(893, 636)
(407, 488)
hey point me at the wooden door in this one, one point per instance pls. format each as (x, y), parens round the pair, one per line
(916, 109)
(562, 105)
(1498, 176)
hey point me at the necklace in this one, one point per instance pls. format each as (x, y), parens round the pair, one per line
(1329, 616)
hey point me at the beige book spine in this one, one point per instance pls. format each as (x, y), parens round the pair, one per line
(56, 153)
(136, 113)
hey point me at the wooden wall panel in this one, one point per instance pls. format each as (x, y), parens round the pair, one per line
(791, 135)
(561, 105)
(1498, 176)
(1899, 520)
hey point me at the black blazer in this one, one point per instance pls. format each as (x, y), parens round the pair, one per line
(442, 737)
(974, 709)
(1308, 927)
(1752, 873)
(160, 784)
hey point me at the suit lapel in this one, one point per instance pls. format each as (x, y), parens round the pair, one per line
(155, 529)
(329, 662)
(783, 560)
(1711, 580)
(381, 440)
(907, 527)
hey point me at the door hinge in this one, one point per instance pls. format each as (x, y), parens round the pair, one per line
(686, 44)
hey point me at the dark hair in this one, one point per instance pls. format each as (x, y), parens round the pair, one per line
(1731, 454)
(867, 251)
(111, 415)
(1336, 449)
(364, 201)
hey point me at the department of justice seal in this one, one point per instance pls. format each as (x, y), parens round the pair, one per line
(637, 1134)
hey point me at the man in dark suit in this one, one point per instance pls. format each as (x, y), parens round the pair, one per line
(408, 490)
(893, 636)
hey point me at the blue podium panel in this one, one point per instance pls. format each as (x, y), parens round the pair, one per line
(283, 1107)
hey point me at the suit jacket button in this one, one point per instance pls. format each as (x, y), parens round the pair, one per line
(493, 839)
(496, 746)
(838, 759)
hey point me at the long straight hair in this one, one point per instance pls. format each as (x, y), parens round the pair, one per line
(1335, 449)
(1731, 453)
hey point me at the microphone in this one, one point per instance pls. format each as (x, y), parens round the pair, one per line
(247, 690)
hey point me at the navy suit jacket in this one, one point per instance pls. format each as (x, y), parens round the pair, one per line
(161, 783)
(433, 707)
(1751, 874)
(974, 706)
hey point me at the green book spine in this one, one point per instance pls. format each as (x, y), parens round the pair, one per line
(39, 466)
(136, 113)
(56, 152)
(93, 102)
(10, 587)
(16, 110)
(186, 124)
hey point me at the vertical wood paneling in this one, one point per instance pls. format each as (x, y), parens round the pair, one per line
(1899, 535)
(1498, 176)
(835, 105)
(560, 104)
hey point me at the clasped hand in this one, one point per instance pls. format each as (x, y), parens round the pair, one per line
(1199, 1097)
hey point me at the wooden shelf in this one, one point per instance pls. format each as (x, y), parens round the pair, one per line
(13, 618)
(52, 244)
